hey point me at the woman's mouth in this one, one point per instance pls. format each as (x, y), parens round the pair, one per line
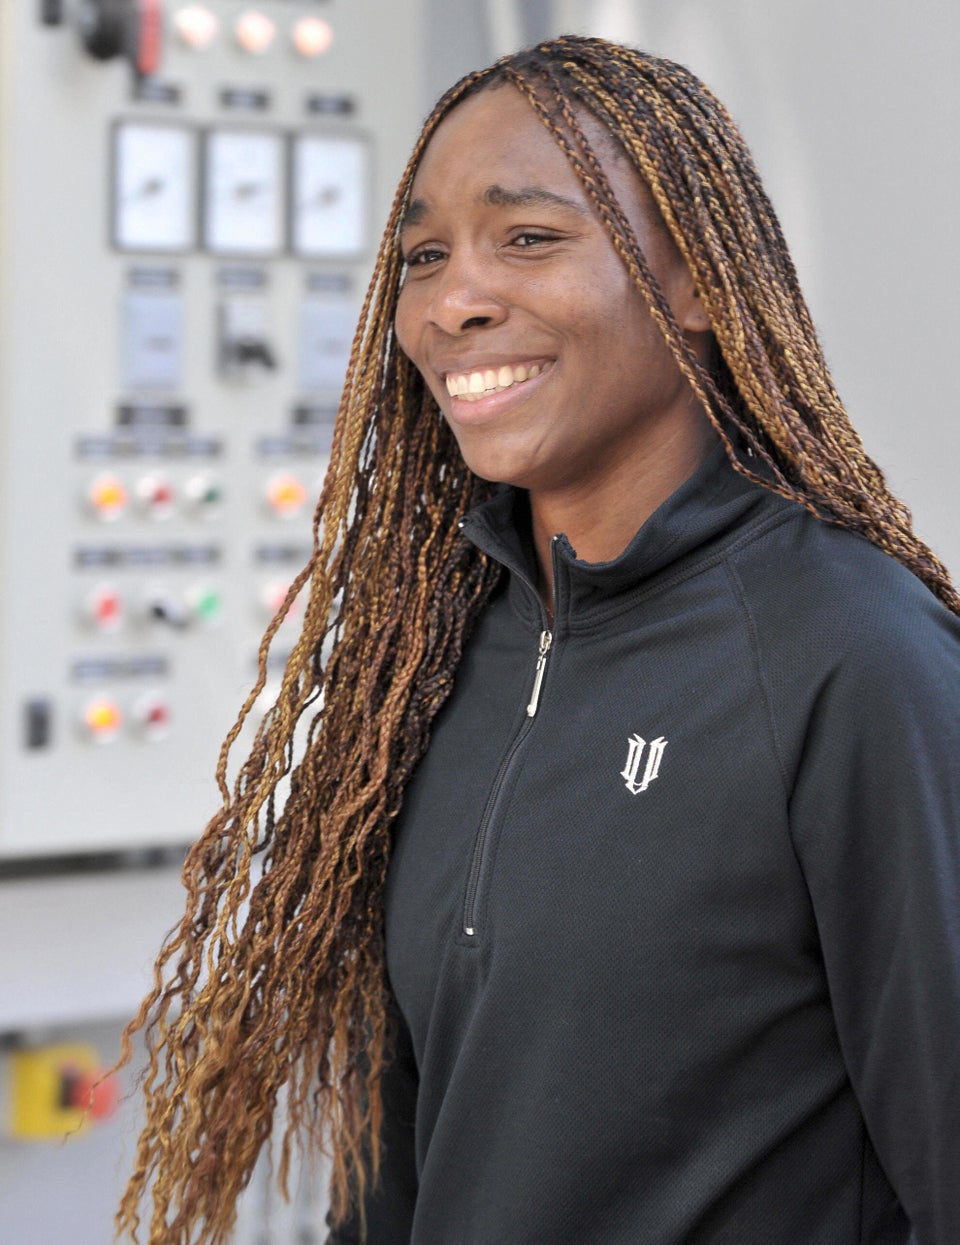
(484, 382)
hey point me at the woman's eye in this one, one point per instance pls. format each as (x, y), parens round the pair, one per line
(530, 237)
(426, 255)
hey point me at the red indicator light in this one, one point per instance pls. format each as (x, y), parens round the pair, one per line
(104, 608)
(156, 496)
(151, 715)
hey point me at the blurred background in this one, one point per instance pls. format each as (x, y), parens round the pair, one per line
(191, 196)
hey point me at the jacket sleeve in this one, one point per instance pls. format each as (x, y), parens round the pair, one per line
(875, 814)
(389, 1204)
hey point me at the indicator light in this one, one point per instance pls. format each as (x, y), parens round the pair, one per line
(102, 719)
(151, 716)
(207, 605)
(107, 497)
(286, 494)
(254, 32)
(204, 495)
(103, 608)
(312, 36)
(196, 26)
(156, 496)
(273, 595)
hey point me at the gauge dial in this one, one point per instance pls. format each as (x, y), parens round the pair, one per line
(330, 191)
(243, 192)
(154, 187)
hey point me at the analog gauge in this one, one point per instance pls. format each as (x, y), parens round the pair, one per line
(243, 196)
(329, 186)
(154, 187)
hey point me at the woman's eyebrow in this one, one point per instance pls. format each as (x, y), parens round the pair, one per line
(499, 196)
(530, 196)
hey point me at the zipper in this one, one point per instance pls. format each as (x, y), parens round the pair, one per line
(546, 639)
(479, 847)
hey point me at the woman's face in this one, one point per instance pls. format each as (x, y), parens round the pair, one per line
(519, 314)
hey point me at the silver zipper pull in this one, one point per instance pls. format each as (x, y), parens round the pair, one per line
(546, 639)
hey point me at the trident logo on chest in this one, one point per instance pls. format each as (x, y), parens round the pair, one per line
(635, 756)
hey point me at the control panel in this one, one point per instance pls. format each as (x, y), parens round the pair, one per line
(191, 197)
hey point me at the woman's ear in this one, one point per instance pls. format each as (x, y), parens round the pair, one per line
(689, 310)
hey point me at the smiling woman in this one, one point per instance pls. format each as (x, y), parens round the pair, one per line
(615, 895)
(509, 266)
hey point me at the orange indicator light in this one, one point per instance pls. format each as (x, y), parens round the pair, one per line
(107, 496)
(102, 719)
(286, 494)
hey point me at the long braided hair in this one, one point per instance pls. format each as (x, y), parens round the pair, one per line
(274, 985)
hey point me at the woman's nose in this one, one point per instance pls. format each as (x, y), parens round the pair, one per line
(465, 297)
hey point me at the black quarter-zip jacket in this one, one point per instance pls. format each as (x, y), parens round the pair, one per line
(672, 917)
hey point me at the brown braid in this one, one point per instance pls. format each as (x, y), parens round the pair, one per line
(274, 981)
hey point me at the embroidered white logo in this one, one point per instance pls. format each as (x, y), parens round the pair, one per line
(637, 747)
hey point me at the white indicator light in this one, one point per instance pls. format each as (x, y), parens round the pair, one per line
(312, 36)
(196, 26)
(254, 32)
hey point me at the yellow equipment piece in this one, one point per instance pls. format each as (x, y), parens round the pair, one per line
(50, 1090)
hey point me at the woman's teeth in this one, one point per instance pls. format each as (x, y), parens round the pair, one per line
(480, 384)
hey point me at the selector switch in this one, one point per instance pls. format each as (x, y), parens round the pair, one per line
(130, 28)
(161, 606)
(246, 353)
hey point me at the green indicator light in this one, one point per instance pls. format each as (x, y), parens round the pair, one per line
(209, 605)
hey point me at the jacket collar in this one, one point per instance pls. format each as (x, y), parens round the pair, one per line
(707, 511)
